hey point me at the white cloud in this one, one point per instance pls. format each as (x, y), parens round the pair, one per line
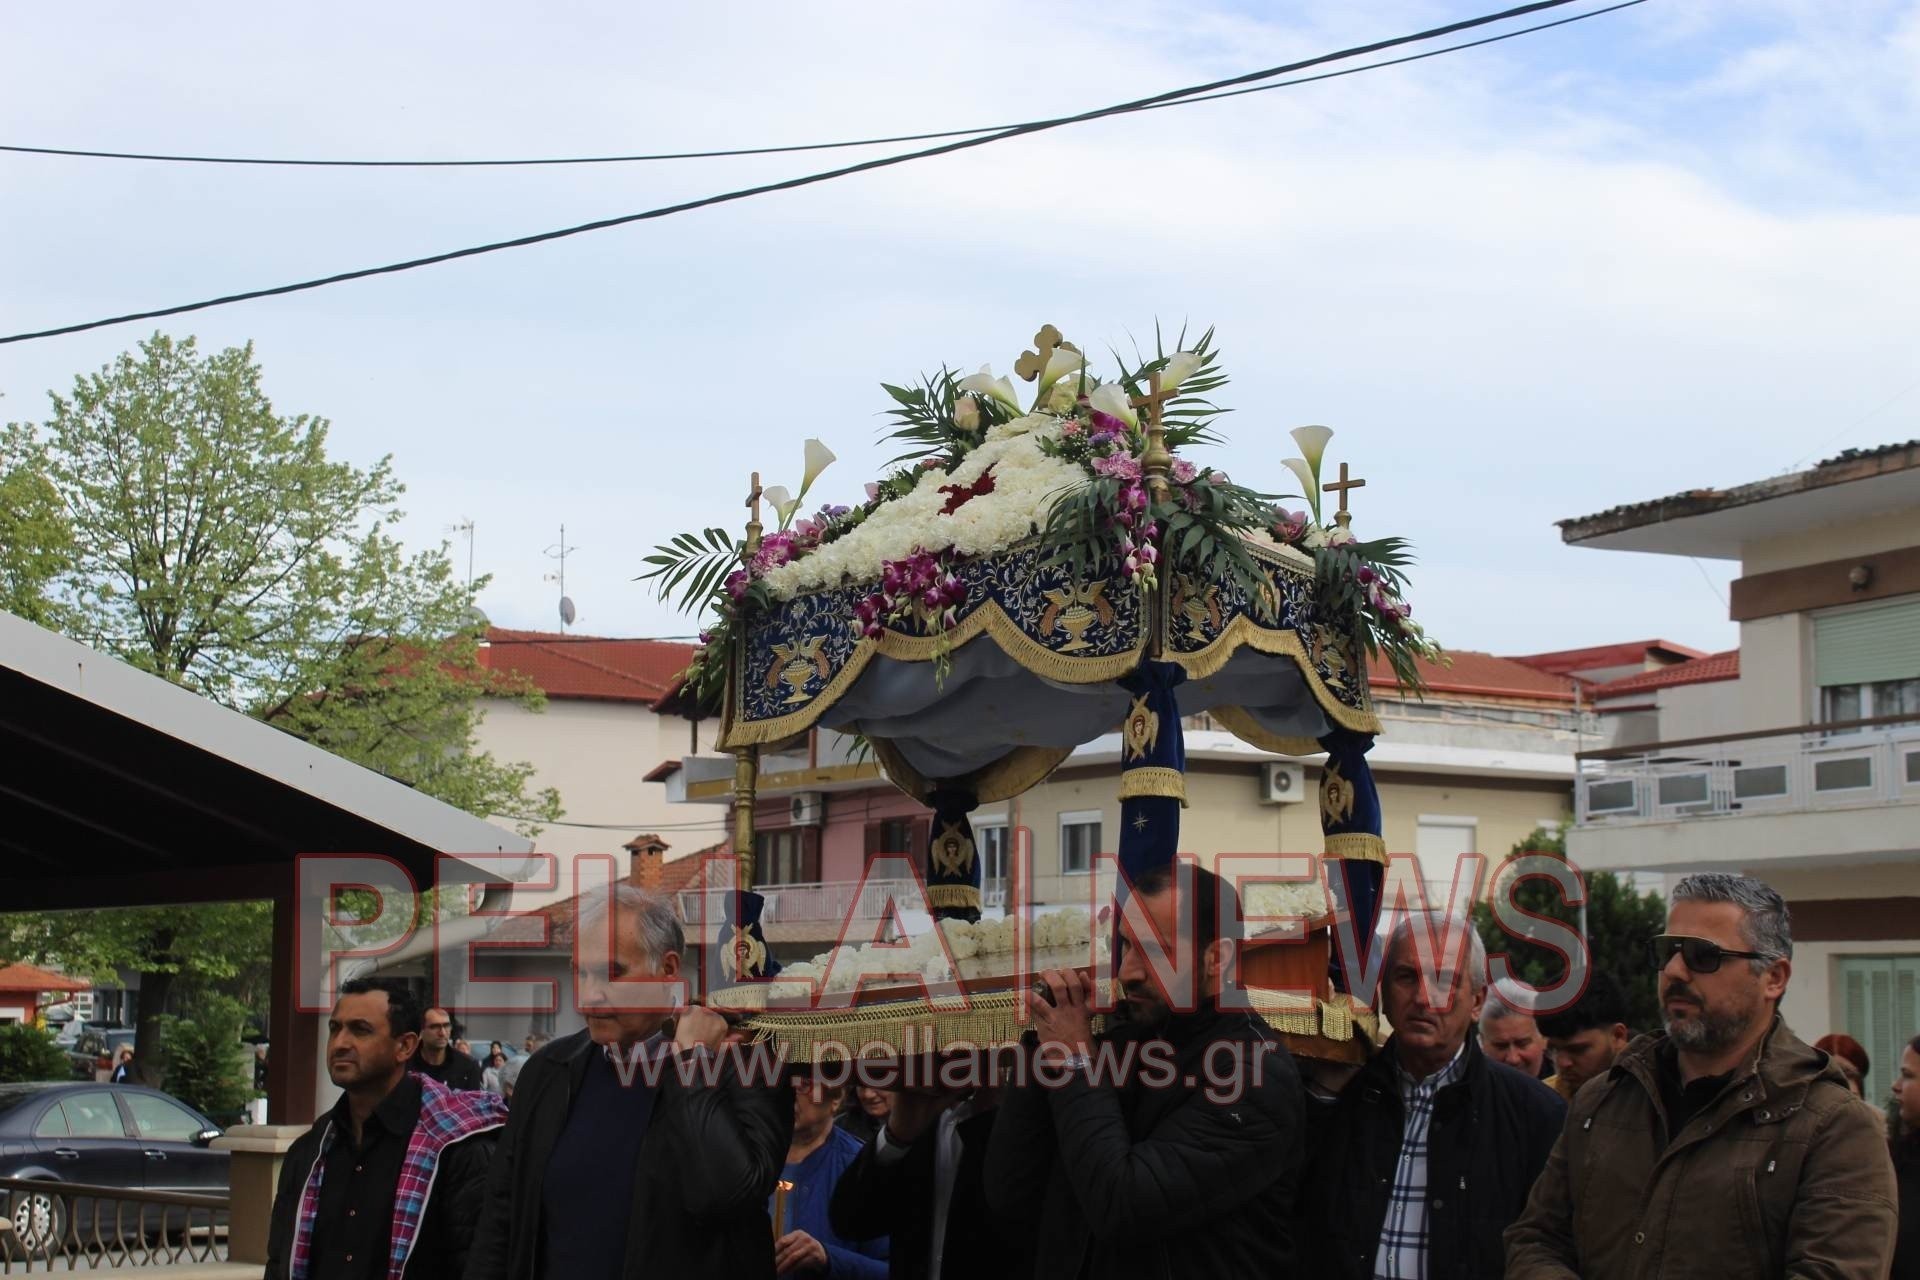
(1524, 283)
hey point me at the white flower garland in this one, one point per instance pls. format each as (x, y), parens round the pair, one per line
(1026, 483)
(841, 969)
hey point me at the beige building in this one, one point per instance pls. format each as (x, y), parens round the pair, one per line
(1795, 758)
(597, 738)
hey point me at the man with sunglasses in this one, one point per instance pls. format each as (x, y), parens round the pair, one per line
(1725, 1147)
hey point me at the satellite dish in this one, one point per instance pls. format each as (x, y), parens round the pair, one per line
(566, 611)
(477, 619)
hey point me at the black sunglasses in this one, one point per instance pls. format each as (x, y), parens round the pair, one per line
(1699, 955)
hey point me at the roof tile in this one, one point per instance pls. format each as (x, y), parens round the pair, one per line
(1715, 666)
(600, 668)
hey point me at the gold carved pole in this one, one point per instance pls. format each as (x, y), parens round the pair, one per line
(746, 760)
(1156, 462)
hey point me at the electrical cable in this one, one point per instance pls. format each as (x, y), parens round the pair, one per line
(736, 152)
(784, 185)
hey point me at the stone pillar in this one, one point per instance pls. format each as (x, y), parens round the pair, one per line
(254, 1172)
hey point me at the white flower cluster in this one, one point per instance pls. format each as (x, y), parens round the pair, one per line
(1026, 483)
(841, 969)
(1307, 898)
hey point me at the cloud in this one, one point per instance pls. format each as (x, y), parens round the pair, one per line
(1658, 250)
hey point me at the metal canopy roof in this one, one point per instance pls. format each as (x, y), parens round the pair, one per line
(119, 788)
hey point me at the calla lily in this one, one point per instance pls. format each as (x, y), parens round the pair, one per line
(1313, 446)
(1062, 362)
(783, 503)
(1181, 365)
(819, 458)
(985, 384)
(1111, 399)
(1309, 480)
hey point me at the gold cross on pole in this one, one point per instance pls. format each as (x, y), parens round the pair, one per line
(754, 526)
(1343, 517)
(1155, 460)
(1032, 364)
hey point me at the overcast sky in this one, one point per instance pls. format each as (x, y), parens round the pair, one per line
(1672, 247)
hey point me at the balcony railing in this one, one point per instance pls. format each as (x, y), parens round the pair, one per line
(1842, 765)
(829, 901)
(66, 1226)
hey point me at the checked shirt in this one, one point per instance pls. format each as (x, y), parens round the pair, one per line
(1403, 1235)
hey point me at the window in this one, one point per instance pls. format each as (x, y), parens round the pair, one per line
(896, 836)
(1866, 660)
(994, 846)
(1870, 700)
(162, 1120)
(1882, 995)
(93, 1115)
(786, 855)
(1079, 841)
(53, 1124)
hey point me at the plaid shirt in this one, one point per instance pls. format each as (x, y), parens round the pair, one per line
(446, 1116)
(1403, 1236)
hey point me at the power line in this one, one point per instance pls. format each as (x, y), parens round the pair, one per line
(806, 180)
(737, 152)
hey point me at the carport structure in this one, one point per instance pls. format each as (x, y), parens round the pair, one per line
(121, 789)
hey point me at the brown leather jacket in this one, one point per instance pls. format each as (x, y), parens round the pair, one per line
(1783, 1174)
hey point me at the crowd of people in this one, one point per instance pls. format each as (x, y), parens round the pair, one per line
(1477, 1141)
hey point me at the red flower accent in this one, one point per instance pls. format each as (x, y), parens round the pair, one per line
(959, 496)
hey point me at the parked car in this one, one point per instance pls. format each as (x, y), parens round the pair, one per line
(102, 1135)
(94, 1050)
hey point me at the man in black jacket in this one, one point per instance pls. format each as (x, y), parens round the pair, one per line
(1186, 1165)
(1431, 1148)
(440, 1058)
(397, 1169)
(656, 1162)
(922, 1182)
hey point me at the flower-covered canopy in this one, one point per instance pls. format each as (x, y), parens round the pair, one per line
(973, 617)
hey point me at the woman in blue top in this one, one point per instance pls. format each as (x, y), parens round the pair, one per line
(820, 1153)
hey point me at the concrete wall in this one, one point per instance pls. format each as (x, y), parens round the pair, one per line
(1703, 710)
(1831, 542)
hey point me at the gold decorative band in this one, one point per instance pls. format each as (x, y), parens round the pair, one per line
(1168, 784)
(1012, 774)
(1241, 724)
(953, 897)
(1357, 845)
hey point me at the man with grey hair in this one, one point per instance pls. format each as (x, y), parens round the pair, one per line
(638, 1146)
(1725, 1146)
(1428, 1152)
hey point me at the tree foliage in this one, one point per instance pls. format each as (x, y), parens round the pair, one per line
(28, 1053)
(167, 513)
(206, 1065)
(1619, 921)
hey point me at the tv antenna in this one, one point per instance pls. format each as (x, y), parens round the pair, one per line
(465, 528)
(560, 551)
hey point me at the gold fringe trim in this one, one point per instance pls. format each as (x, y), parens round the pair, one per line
(1019, 771)
(1244, 632)
(989, 618)
(940, 1025)
(1240, 723)
(1168, 784)
(950, 897)
(1358, 846)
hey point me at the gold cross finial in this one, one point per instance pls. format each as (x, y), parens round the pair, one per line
(754, 526)
(1343, 517)
(1152, 401)
(1032, 364)
(1155, 460)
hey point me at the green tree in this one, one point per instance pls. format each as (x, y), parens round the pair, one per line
(206, 1065)
(36, 542)
(29, 1053)
(209, 539)
(1619, 921)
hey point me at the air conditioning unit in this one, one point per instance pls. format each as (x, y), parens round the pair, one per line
(807, 809)
(1283, 782)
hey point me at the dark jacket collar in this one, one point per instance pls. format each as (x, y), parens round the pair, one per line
(1782, 1071)
(397, 1113)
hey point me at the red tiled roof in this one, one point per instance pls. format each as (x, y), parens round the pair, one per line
(26, 977)
(1714, 666)
(1483, 674)
(601, 668)
(1564, 661)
